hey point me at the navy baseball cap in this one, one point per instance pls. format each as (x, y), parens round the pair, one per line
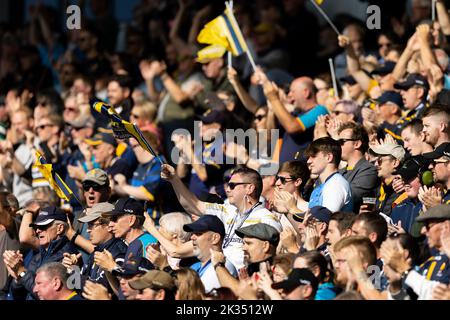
(213, 116)
(348, 79)
(297, 277)
(384, 69)
(48, 215)
(320, 213)
(126, 206)
(205, 223)
(413, 79)
(412, 167)
(390, 96)
(100, 138)
(136, 264)
(441, 150)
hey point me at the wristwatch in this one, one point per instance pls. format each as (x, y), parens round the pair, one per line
(219, 264)
(21, 275)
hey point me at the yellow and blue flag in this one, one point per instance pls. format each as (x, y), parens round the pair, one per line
(55, 181)
(123, 129)
(222, 34)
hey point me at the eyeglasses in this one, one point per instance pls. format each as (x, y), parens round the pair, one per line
(91, 226)
(342, 141)
(283, 180)
(233, 185)
(380, 160)
(43, 126)
(88, 186)
(259, 117)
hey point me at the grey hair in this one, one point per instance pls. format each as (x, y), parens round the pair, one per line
(55, 270)
(350, 106)
(173, 222)
(64, 224)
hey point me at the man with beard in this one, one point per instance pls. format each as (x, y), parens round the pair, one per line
(207, 236)
(260, 245)
(441, 168)
(436, 121)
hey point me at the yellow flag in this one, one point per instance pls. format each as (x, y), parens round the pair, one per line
(319, 2)
(55, 181)
(211, 52)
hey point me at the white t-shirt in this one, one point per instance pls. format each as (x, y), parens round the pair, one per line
(334, 194)
(209, 276)
(232, 244)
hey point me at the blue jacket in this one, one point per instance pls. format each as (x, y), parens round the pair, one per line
(54, 253)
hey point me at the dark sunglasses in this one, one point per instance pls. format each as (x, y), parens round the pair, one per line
(283, 180)
(88, 186)
(43, 228)
(342, 141)
(233, 185)
(43, 126)
(259, 117)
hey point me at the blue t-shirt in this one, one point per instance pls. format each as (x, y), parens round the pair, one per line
(293, 143)
(334, 194)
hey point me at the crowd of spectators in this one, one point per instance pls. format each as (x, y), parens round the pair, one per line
(343, 194)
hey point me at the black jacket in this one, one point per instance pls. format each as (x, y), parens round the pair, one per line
(54, 253)
(93, 272)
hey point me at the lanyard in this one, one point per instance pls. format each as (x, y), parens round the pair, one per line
(229, 234)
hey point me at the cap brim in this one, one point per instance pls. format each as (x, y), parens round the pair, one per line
(92, 142)
(432, 155)
(298, 217)
(285, 285)
(42, 223)
(89, 218)
(112, 214)
(402, 86)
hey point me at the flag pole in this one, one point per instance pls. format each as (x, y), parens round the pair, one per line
(433, 10)
(249, 55)
(325, 17)
(333, 77)
(229, 56)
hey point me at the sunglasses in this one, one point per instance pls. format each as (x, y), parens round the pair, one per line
(259, 117)
(283, 180)
(342, 141)
(233, 185)
(95, 187)
(43, 126)
(43, 228)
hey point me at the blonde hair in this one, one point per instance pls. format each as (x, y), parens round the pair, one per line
(148, 110)
(189, 285)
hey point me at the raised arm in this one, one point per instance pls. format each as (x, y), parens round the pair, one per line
(443, 17)
(187, 199)
(402, 63)
(247, 100)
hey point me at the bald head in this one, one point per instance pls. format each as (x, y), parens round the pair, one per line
(302, 93)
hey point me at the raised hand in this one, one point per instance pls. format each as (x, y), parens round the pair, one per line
(156, 257)
(105, 260)
(167, 172)
(95, 291)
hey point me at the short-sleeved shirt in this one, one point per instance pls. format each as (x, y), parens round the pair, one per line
(335, 194)
(119, 166)
(137, 250)
(232, 244)
(147, 176)
(293, 143)
(209, 276)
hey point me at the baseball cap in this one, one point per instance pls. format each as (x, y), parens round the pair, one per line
(297, 277)
(213, 116)
(100, 138)
(390, 96)
(261, 231)
(413, 79)
(389, 149)
(97, 176)
(205, 223)
(48, 215)
(136, 264)
(441, 211)
(154, 279)
(348, 80)
(412, 167)
(384, 69)
(126, 206)
(96, 211)
(320, 213)
(82, 122)
(441, 150)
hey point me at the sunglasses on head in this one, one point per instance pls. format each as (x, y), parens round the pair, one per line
(233, 185)
(283, 180)
(94, 186)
